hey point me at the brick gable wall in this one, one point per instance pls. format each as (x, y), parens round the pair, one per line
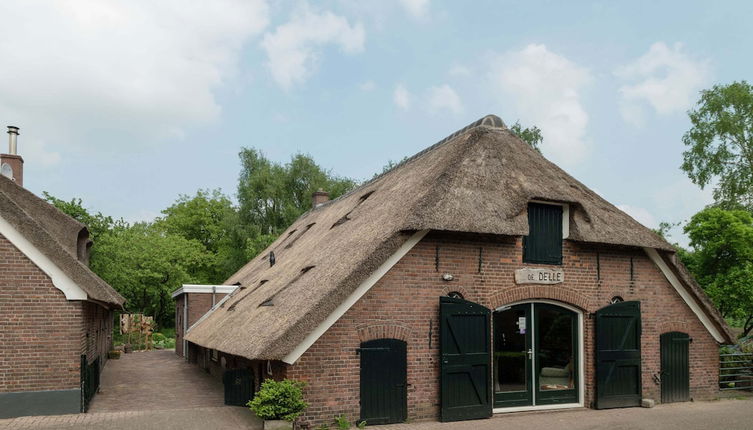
(42, 334)
(40, 331)
(198, 305)
(404, 305)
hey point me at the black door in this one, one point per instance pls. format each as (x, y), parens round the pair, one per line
(238, 386)
(384, 397)
(465, 353)
(618, 355)
(675, 367)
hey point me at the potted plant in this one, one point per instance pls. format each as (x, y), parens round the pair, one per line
(279, 403)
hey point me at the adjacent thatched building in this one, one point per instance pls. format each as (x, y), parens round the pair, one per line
(56, 315)
(475, 277)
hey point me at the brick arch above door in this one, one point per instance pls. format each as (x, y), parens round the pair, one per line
(528, 292)
(383, 331)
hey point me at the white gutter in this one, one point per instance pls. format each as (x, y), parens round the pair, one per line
(362, 289)
(684, 294)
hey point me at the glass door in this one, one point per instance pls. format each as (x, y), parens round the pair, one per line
(535, 358)
(556, 358)
(512, 356)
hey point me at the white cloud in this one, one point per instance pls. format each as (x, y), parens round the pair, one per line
(111, 68)
(459, 71)
(545, 88)
(641, 215)
(402, 97)
(666, 78)
(417, 8)
(367, 86)
(293, 49)
(444, 97)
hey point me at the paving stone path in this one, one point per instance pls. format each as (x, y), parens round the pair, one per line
(150, 390)
(728, 414)
(154, 380)
(158, 390)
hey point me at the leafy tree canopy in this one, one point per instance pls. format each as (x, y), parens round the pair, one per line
(722, 260)
(272, 195)
(530, 135)
(96, 223)
(720, 144)
(211, 219)
(146, 265)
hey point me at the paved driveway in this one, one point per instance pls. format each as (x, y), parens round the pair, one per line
(158, 390)
(154, 380)
(722, 415)
(150, 390)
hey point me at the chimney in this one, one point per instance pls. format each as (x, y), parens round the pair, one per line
(11, 164)
(318, 198)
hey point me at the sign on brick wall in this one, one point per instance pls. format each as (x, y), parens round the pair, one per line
(539, 276)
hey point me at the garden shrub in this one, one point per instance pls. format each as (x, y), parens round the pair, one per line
(279, 400)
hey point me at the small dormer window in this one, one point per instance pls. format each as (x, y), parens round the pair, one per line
(6, 171)
(543, 245)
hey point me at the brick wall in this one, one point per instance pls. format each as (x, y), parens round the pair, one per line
(198, 305)
(96, 332)
(404, 305)
(40, 331)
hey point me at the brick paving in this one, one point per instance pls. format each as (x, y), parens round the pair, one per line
(150, 390)
(158, 390)
(154, 380)
(722, 414)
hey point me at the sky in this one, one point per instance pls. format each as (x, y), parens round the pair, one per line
(128, 105)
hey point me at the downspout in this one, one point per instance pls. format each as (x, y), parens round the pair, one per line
(185, 325)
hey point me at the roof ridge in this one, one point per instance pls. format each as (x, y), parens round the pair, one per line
(490, 120)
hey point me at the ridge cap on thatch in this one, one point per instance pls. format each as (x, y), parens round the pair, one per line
(486, 121)
(48, 230)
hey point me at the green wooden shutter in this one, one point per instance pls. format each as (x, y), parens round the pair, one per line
(544, 241)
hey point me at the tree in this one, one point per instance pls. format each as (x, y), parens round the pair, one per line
(211, 219)
(720, 144)
(722, 260)
(145, 265)
(271, 195)
(97, 224)
(530, 135)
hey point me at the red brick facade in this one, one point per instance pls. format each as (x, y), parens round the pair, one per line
(404, 305)
(42, 334)
(198, 305)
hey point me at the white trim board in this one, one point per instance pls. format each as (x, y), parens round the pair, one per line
(536, 408)
(207, 313)
(59, 279)
(199, 288)
(684, 294)
(359, 292)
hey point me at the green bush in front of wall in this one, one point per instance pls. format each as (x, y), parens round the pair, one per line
(279, 400)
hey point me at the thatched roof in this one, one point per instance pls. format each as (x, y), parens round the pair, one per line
(480, 179)
(56, 235)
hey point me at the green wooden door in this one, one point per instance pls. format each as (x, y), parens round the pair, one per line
(675, 367)
(618, 355)
(465, 360)
(238, 386)
(384, 396)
